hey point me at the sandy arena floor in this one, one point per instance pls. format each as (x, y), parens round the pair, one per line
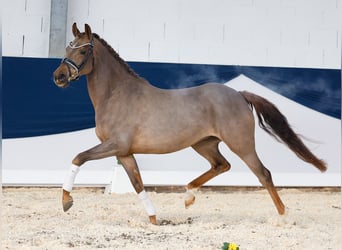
(32, 218)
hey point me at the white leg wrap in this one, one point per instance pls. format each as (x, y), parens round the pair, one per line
(70, 178)
(146, 201)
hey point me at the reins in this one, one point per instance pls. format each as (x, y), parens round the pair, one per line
(71, 63)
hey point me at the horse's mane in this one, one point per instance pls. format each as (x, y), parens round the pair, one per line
(115, 55)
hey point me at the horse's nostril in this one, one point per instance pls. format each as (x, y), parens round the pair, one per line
(62, 77)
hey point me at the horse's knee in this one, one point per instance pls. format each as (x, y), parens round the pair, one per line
(79, 159)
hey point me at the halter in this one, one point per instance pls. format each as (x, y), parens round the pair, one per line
(71, 63)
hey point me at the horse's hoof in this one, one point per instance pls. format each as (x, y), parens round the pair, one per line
(153, 219)
(67, 204)
(281, 210)
(189, 197)
(189, 201)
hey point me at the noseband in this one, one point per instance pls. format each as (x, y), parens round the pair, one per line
(71, 63)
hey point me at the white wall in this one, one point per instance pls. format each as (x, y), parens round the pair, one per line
(25, 28)
(294, 33)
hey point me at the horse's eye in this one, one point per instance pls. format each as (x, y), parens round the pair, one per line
(82, 52)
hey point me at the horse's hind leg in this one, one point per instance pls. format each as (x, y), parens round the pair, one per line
(208, 148)
(265, 178)
(240, 139)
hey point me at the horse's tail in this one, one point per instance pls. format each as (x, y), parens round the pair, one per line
(275, 123)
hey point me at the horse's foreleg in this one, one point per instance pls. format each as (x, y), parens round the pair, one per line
(67, 200)
(208, 148)
(100, 151)
(133, 173)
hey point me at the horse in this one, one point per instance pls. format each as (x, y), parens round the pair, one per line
(132, 116)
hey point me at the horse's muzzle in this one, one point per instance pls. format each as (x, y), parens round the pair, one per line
(61, 80)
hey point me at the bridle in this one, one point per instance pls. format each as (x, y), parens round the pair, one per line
(71, 63)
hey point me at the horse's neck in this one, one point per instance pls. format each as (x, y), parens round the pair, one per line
(107, 77)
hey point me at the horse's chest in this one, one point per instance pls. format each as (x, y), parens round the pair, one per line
(101, 132)
(108, 126)
(102, 126)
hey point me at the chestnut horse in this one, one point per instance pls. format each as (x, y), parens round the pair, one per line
(132, 116)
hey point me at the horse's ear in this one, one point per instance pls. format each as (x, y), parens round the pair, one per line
(87, 30)
(75, 30)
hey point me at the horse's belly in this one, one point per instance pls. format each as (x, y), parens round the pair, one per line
(166, 142)
(156, 149)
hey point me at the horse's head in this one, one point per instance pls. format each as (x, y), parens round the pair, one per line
(78, 59)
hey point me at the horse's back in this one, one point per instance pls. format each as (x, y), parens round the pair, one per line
(209, 101)
(220, 107)
(224, 98)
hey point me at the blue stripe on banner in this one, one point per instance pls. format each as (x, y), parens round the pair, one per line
(33, 105)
